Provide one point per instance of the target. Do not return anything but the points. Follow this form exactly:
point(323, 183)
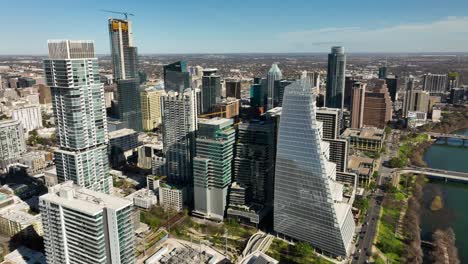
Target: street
point(369, 227)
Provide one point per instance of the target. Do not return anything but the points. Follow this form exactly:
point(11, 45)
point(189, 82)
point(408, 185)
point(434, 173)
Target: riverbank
point(398, 237)
point(453, 119)
point(411, 150)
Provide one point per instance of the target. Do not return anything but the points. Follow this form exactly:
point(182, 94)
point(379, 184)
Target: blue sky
point(222, 26)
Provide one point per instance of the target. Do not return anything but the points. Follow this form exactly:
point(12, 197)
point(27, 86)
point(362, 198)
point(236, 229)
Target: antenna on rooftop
point(126, 14)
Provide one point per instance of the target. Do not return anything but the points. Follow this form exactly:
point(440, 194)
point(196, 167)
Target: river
point(455, 195)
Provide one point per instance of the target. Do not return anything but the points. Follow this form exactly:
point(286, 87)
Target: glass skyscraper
point(72, 72)
point(211, 90)
point(334, 97)
point(308, 201)
point(176, 77)
point(125, 60)
point(274, 74)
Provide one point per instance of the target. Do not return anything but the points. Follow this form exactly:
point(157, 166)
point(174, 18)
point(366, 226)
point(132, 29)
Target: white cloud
point(445, 35)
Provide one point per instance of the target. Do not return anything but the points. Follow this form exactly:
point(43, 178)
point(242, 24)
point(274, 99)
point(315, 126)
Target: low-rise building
point(171, 196)
point(366, 139)
point(143, 198)
point(35, 161)
point(123, 143)
point(146, 154)
point(15, 219)
point(363, 167)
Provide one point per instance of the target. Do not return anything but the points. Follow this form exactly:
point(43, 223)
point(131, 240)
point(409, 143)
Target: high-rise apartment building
point(211, 90)
point(233, 88)
point(72, 72)
point(179, 124)
point(435, 84)
point(30, 116)
point(334, 97)
point(125, 60)
point(176, 77)
point(331, 119)
point(308, 200)
point(151, 108)
point(84, 226)
point(416, 101)
point(377, 106)
point(274, 74)
point(212, 166)
point(358, 96)
point(12, 142)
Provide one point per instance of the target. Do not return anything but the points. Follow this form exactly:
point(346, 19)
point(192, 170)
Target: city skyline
point(212, 27)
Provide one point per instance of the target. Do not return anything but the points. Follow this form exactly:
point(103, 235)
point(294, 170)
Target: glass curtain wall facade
point(334, 97)
point(307, 200)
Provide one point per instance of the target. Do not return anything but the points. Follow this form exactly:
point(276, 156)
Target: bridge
point(463, 138)
point(437, 173)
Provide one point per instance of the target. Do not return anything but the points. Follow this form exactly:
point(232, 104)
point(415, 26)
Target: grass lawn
point(298, 253)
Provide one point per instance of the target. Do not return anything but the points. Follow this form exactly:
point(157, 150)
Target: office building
point(212, 166)
point(377, 106)
point(122, 144)
point(363, 167)
point(151, 108)
point(350, 83)
point(392, 86)
point(125, 60)
point(408, 94)
point(280, 85)
point(256, 95)
point(24, 82)
point(458, 95)
point(415, 100)
point(365, 139)
point(211, 90)
point(435, 84)
point(358, 96)
point(84, 226)
point(176, 77)
point(30, 117)
point(334, 97)
point(338, 153)
point(453, 79)
point(274, 74)
point(308, 201)
point(72, 72)
point(233, 88)
point(179, 123)
point(12, 142)
point(331, 119)
point(383, 72)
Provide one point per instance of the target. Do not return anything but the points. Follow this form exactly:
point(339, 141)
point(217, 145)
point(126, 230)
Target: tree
point(303, 249)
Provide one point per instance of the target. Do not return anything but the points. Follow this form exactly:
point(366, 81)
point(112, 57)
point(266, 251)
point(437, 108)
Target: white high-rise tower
point(72, 72)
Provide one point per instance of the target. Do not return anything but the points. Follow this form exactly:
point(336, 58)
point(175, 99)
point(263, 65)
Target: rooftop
point(84, 200)
point(365, 133)
point(121, 132)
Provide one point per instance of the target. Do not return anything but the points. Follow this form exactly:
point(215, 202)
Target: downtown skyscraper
point(125, 60)
point(274, 74)
point(72, 72)
point(212, 166)
point(334, 97)
point(308, 201)
point(179, 124)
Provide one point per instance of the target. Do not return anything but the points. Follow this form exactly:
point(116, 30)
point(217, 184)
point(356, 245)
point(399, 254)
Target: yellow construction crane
point(212, 114)
point(126, 14)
